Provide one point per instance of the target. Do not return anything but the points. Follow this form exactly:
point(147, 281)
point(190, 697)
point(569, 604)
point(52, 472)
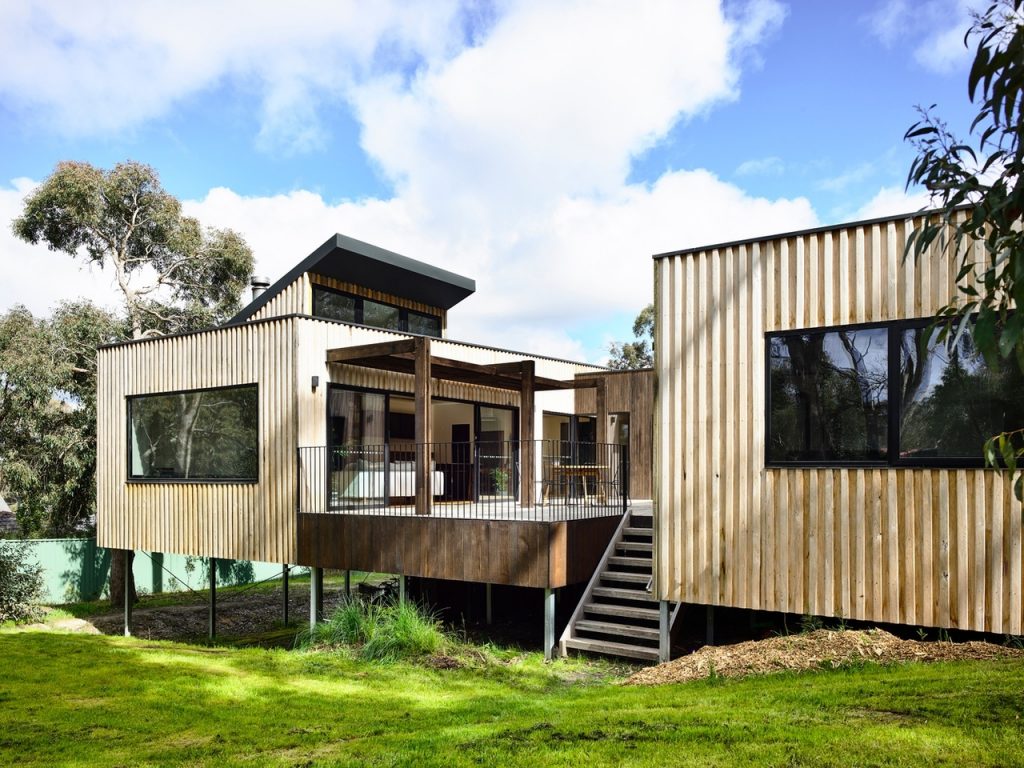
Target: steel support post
point(284, 583)
point(549, 623)
point(127, 595)
point(212, 624)
point(664, 631)
point(316, 596)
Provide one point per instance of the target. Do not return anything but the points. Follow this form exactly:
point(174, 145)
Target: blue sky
point(545, 149)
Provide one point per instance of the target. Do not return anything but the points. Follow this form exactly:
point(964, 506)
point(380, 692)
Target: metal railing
point(473, 480)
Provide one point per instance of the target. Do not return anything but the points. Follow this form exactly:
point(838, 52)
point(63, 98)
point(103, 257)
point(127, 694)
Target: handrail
point(482, 478)
point(595, 579)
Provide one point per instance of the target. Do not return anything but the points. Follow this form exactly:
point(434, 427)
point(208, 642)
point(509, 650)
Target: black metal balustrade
point(475, 480)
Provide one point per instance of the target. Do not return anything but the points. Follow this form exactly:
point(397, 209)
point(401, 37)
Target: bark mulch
point(820, 649)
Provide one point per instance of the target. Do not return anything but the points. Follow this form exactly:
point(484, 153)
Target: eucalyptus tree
point(171, 274)
point(976, 183)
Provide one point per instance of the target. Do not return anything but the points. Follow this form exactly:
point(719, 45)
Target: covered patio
point(539, 471)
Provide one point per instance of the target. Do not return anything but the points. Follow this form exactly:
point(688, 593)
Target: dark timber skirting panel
point(523, 554)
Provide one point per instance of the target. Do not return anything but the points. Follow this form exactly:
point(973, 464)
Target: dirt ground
point(821, 649)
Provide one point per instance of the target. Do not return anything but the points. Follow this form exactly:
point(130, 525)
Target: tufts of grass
point(379, 632)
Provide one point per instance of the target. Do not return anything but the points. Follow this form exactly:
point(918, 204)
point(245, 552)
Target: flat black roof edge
point(808, 231)
point(344, 242)
point(400, 334)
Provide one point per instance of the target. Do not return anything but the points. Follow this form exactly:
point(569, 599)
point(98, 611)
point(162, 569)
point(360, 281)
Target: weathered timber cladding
point(281, 355)
point(935, 547)
point(525, 554)
point(295, 299)
point(253, 521)
point(632, 392)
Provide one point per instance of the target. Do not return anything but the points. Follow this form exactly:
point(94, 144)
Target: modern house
point(817, 450)
point(332, 424)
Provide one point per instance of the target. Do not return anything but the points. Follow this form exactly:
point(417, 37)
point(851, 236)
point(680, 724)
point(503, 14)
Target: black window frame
point(895, 330)
point(130, 478)
point(403, 312)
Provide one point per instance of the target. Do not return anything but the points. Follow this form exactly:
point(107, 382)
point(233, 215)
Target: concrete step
point(625, 576)
point(617, 630)
point(613, 649)
point(624, 611)
point(624, 594)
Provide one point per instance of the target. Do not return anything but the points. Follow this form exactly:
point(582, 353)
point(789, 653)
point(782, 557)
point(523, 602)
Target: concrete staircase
point(617, 615)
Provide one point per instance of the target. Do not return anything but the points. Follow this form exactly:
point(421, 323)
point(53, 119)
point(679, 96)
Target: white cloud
point(761, 166)
point(118, 65)
point(892, 201)
point(933, 29)
point(585, 260)
point(37, 277)
point(509, 154)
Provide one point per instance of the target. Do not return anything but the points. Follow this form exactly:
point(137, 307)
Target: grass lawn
point(93, 700)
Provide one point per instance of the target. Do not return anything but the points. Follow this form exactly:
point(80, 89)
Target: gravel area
point(821, 649)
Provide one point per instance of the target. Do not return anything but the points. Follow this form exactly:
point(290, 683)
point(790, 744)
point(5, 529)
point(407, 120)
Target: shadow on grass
point(109, 701)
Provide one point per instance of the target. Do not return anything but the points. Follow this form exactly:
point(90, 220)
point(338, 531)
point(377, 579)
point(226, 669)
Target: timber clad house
point(803, 444)
point(818, 452)
point(331, 424)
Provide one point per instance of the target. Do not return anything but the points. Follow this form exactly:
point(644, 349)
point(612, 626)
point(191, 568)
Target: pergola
point(414, 356)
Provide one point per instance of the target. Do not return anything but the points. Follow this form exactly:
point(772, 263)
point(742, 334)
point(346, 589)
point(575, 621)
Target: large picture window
point(829, 396)
point(208, 434)
point(348, 308)
point(886, 394)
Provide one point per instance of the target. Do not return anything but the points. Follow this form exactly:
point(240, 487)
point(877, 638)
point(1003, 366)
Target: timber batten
point(935, 547)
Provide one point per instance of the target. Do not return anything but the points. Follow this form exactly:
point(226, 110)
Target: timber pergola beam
point(400, 357)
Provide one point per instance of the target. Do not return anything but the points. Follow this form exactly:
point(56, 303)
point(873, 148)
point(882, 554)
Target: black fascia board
point(353, 261)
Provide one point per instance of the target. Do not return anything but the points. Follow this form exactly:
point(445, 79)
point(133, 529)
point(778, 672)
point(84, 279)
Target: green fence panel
point(76, 569)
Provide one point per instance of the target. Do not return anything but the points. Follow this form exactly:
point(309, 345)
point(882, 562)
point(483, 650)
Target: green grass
point(97, 701)
point(379, 632)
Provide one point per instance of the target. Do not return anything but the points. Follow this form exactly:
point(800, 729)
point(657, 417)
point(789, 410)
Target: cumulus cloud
point(36, 277)
point(933, 29)
point(761, 166)
point(892, 201)
point(116, 66)
point(506, 130)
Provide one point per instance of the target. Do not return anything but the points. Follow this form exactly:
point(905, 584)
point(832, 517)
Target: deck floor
point(510, 512)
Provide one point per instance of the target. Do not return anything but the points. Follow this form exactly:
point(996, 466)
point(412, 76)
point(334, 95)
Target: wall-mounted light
point(316, 382)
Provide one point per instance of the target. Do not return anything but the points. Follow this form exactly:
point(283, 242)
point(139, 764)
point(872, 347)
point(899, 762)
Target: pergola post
point(527, 449)
point(602, 411)
point(424, 428)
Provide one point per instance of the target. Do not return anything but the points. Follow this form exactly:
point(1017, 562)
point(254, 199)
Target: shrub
point(379, 632)
point(21, 584)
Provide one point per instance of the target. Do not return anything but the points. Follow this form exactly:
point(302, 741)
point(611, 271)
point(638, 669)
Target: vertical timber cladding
point(935, 547)
point(632, 392)
point(294, 299)
point(252, 521)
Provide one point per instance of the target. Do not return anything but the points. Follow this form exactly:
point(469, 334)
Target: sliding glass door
point(356, 433)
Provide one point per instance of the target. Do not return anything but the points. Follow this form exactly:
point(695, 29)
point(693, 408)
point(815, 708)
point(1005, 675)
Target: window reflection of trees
point(209, 434)
point(952, 400)
point(829, 396)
